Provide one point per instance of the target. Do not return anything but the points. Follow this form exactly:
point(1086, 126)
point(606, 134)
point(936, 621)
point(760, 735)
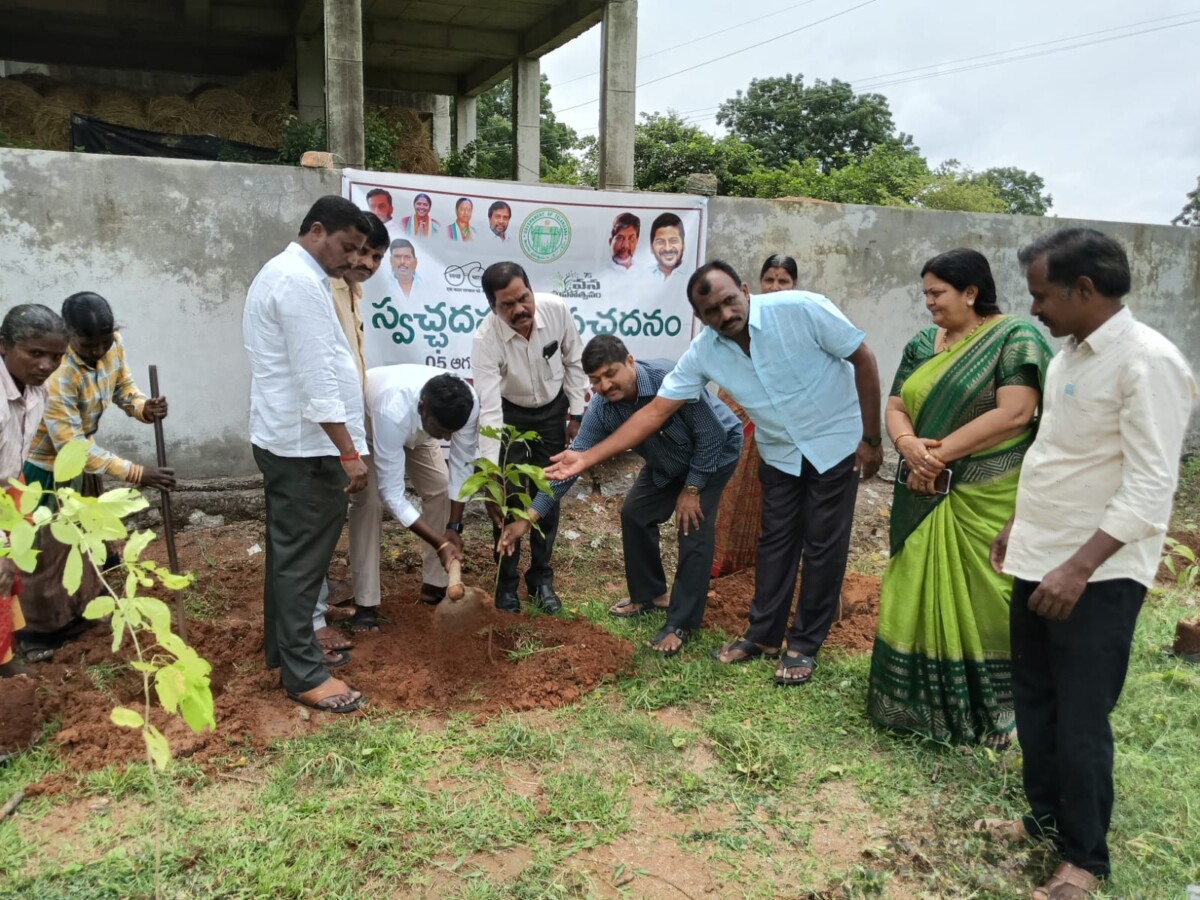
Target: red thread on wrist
point(353, 456)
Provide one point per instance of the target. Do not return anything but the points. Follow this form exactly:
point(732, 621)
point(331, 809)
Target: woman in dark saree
point(965, 399)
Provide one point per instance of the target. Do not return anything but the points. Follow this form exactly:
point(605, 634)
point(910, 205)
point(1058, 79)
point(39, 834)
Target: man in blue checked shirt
point(689, 458)
point(810, 384)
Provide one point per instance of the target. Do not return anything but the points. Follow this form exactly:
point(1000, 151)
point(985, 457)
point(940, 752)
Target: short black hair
point(626, 220)
point(499, 204)
point(377, 237)
point(1074, 253)
point(335, 214)
point(448, 399)
point(698, 285)
point(428, 199)
point(461, 200)
point(87, 314)
point(779, 261)
point(30, 321)
point(962, 268)
point(603, 350)
point(379, 192)
point(498, 276)
point(400, 244)
point(666, 220)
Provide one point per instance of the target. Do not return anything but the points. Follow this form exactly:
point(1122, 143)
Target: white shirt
point(619, 269)
point(302, 370)
point(393, 393)
point(20, 416)
point(504, 364)
point(1106, 456)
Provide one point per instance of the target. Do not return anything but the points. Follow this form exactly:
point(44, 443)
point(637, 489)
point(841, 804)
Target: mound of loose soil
point(729, 605)
point(20, 718)
point(481, 663)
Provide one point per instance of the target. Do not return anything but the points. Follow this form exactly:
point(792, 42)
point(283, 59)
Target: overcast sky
point(1113, 128)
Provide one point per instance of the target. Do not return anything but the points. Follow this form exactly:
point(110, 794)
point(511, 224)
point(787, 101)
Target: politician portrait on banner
point(619, 261)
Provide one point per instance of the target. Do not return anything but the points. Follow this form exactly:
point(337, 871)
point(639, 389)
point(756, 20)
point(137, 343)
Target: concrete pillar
point(441, 126)
point(344, 81)
point(527, 120)
point(310, 78)
point(618, 96)
point(465, 121)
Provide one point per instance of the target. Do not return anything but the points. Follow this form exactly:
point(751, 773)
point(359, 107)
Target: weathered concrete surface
point(173, 245)
point(867, 260)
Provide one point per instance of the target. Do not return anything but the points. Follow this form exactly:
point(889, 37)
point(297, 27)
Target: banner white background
point(562, 237)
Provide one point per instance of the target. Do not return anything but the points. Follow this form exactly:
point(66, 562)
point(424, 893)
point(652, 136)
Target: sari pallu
point(941, 662)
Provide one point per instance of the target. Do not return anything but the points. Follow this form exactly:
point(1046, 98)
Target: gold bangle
point(896, 441)
point(442, 546)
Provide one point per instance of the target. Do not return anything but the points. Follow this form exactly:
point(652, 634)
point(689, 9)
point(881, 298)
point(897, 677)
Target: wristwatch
point(873, 441)
point(693, 490)
point(454, 526)
point(575, 418)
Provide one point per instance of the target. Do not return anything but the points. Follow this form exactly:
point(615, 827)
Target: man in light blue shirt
point(810, 384)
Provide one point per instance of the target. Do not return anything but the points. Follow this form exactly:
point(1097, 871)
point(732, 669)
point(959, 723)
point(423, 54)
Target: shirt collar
point(1108, 333)
point(510, 333)
point(307, 259)
point(753, 320)
point(11, 391)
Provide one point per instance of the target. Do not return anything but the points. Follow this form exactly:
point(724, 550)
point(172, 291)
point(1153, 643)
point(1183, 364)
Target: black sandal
point(631, 610)
point(749, 649)
point(796, 662)
point(662, 635)
point(364, 620)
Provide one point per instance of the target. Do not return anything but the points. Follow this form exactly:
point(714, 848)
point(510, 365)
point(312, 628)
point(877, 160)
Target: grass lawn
point(681, 779)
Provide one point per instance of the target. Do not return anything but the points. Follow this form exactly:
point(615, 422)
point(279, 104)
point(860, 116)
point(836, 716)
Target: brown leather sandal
point(1069, 882)
point(323, 696)
point(332, 640)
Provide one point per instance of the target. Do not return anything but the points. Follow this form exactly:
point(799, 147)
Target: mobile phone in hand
point(941, 484)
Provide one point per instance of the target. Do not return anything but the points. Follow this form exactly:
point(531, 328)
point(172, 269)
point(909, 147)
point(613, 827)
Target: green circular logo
point(545, 235)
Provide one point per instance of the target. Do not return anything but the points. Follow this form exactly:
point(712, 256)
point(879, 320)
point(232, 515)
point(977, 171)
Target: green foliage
point(490, 155)
point(786, 121)
point(1022, 192)
point(667, 150)
point(1181, 562)
point(379, 141)
point(1190, 214)
point(178, 674)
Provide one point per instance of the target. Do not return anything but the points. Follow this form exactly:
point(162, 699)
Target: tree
point(1021, 191)
point(1190, 214)
point(490, 154)
point(666, 150)
point(784, 120)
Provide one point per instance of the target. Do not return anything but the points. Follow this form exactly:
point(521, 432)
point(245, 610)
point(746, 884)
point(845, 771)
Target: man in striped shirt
point(688, 461)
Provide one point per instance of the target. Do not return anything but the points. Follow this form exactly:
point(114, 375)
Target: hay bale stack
point(76, 98)
point(413, 152)
point(52, 125)
point(120, 108)
point(221, 105)
point(17, 98)
point(172, 114)
point(40, 83)
point(266, 90)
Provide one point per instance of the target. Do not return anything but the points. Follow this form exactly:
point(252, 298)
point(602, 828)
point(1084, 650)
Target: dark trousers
point(804, 517)
point(550, 422)
point(648, 506)
point(1067, 677)
point(306, 509)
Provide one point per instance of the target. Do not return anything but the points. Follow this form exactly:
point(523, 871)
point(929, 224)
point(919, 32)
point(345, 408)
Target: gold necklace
point(946, 346)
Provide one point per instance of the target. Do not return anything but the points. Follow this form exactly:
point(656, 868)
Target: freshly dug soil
point(729, 605)
point(20, 719)
point(476, 660)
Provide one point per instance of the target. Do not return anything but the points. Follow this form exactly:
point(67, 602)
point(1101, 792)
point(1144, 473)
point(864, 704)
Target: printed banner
point(620, 261)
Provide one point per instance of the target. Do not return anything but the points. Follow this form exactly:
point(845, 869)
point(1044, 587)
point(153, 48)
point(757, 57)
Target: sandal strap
point(798, 662)
point(668, 630)
point(1071, 874)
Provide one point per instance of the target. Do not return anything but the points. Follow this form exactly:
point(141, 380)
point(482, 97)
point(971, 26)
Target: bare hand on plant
point(512, 533)
point(494, 513)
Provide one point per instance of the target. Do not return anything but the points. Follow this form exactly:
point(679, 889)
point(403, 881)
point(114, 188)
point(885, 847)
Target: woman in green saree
point(965, 399)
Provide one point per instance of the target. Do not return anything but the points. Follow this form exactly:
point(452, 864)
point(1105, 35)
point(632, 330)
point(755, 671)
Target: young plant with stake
point(491, 481)
point(178, 675)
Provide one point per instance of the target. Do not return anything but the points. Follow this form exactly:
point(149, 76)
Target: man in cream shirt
point(1084, 544)
point(526, 362)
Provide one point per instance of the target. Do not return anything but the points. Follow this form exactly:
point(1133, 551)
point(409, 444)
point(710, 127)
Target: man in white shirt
point(1084, 543)
point(666, 246)
point(403, 257)
point(412, 409)
point(526, 361)
point(306, 428)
